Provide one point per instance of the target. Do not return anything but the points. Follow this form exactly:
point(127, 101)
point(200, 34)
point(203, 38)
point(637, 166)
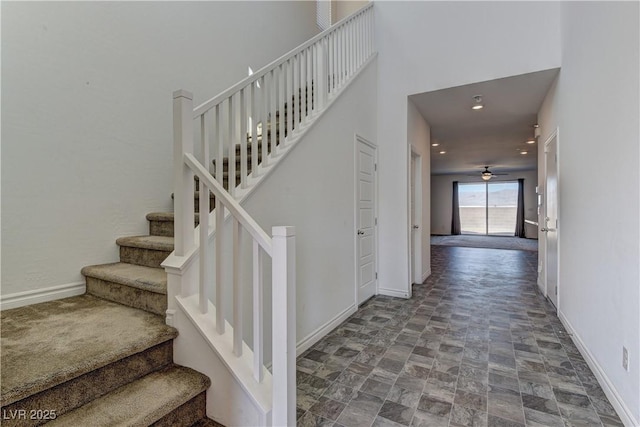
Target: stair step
point(161, 223)
point(62, 354)
point(148, 251)
point(173, 396)
point(132, 285)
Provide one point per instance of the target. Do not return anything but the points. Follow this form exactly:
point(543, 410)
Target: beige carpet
point(492, 242)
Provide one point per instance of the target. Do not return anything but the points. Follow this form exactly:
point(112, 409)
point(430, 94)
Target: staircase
point(109, 357)
point(104, 358)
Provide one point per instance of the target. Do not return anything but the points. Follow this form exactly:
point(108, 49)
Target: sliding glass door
point(488, 208)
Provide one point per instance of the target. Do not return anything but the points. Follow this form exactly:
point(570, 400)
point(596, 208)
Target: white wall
point(419, 137)
point(86, 108)
point(320, 203)
point(344, 8)
point(427, 46)
point(595, 105)
point(442, 194)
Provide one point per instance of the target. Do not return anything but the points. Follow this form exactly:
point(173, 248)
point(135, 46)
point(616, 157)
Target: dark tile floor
point(476, 345)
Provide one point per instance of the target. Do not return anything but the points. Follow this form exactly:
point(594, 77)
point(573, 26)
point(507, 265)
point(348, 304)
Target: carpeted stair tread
point(139, 403)
point(136, 276)
point(46, 344)
point(157, 243)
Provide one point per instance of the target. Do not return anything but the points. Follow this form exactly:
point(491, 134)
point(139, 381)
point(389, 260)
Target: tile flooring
point(476, 345)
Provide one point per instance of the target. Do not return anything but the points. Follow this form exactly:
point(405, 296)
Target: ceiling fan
point(486, 174)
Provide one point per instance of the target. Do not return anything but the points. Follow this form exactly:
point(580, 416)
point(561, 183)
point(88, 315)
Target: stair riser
point(127, 295)
point(142, 256)
point(166, 227)
point(85, 388)
point(186, 414)
point(161, 228)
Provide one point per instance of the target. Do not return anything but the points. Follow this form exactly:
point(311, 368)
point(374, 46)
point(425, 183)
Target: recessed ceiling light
point(523, 152)
point(478, 103)
point(531, 141)
point(435, 144)
point(443, 152)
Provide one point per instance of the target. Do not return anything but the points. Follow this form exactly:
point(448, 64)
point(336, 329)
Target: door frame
point(415, 252)
point(359, 139)
point(555, 134)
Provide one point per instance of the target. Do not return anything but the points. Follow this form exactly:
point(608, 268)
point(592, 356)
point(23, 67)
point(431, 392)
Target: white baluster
point(321, 73)
point(219, 147)
point(309, 99)
point(258, 314)
point(284, 326)
point(255, 119)
point(183, 176)
point(330, 41)
point(340, 32)
point(233, 117)
point(281, 100)
point(220, 326)
point(289, 100)
point(237, 291)
point(303, 86)
point(315, 78)
point(295, 99)
point(242, 136)
point(266, 95)
point(274, 108)
point(203, 301)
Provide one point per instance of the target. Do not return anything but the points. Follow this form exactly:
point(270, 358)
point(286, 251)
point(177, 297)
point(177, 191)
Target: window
point(488, 208)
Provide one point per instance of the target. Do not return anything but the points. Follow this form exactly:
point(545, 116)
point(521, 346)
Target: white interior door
point(366, 220)
point(550, 223)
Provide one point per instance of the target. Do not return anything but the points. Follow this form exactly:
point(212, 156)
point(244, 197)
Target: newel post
point(182, 175)
point(284, 326)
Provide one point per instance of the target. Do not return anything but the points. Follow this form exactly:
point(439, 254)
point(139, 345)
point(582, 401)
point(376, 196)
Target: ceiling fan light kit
point(486, 174)
point(478, 103)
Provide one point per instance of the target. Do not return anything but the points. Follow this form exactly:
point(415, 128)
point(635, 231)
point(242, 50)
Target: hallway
point(475, 346)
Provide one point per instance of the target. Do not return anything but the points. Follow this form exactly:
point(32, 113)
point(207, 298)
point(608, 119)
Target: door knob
point(360, 232)
point(416, 226)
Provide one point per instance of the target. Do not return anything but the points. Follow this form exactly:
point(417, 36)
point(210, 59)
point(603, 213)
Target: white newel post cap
point(283, 231)
point(182, 94)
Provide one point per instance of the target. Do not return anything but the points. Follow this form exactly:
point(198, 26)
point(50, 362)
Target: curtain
point(455, 209)
point(520, 212)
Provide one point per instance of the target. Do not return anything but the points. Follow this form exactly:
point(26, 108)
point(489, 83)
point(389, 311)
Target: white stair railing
point(264, 115)
point(280, 247)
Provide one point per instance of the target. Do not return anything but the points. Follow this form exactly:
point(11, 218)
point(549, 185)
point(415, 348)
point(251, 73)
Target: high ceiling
point(493, 136)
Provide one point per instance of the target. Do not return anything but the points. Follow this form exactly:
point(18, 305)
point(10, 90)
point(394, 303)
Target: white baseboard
point(426, 274)
point(393, 293)
point(20, 299)
point(609, 389)
point(323, 330)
